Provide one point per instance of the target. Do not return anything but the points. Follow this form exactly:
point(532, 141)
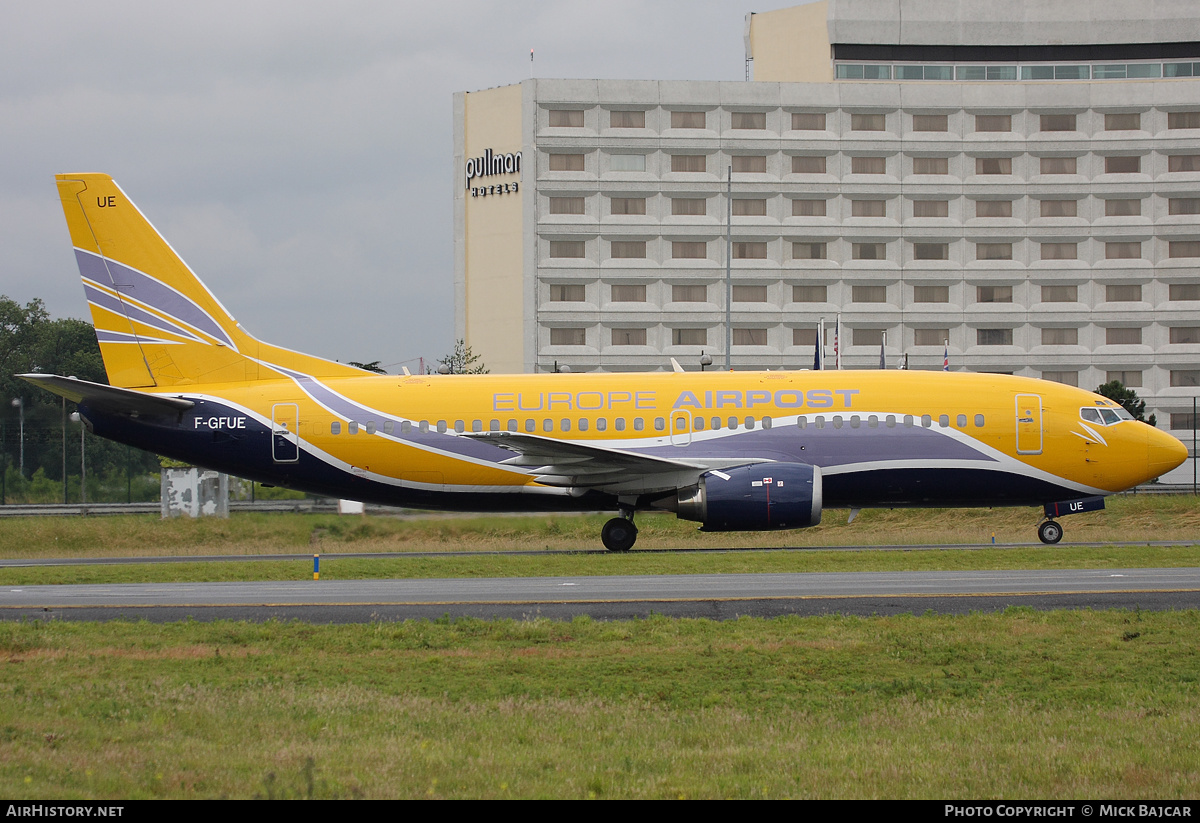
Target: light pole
point(19, 404)
point(75, 418)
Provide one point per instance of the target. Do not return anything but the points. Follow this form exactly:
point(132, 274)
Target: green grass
point(1022, 704)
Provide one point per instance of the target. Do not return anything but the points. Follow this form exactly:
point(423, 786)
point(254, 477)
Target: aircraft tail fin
point(157, 323)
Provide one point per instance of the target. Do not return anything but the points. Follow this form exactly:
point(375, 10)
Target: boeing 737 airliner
point(732, 450)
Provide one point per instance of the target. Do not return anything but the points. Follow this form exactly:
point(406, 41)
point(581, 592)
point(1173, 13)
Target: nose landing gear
point(1050, 531)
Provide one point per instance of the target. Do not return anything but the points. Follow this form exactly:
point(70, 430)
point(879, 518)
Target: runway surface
point(720, 596)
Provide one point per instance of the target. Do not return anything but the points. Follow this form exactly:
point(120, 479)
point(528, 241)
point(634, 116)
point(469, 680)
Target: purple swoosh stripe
point(107, 301)
point(146, 289)
point(828, 446)
point(122, 337)
point(464, 446)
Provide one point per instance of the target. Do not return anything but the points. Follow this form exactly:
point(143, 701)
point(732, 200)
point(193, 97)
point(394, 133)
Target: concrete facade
point(1049, 229)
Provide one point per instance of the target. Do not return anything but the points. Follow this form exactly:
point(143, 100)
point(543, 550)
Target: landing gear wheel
point(1050, 532)
point(618, 534)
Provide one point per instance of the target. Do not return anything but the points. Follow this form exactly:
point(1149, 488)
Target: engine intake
point(754, 498)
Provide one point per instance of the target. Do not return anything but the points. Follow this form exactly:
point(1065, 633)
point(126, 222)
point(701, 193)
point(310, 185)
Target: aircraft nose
point(1163, 452)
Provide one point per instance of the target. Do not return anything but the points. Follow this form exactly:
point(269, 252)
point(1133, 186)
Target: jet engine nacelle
point(754, 498)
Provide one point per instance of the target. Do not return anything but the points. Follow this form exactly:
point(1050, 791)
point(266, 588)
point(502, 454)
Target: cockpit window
point(1104, 416)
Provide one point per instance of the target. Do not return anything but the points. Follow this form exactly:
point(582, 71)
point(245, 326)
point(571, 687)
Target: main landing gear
point(1050, 531)
point(619, 534)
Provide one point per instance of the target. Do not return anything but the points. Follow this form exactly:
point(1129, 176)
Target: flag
point(882, 353)
point(817, 364)
point(837, 344)
point(946, 358)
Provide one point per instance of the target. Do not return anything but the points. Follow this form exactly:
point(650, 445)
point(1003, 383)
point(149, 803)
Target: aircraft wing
point(563, 463)
point(108, 398)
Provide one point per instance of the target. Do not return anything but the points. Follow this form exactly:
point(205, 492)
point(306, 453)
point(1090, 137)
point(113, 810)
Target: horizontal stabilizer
point(108, 398)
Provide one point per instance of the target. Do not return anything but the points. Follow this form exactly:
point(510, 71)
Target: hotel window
point(993, 337)
point(931, 165)
point(1183, 120)
point(869, 251)
point(808, 164)
point(1184, 291)
point(809, 251)
point(689, 162)
point(868, 165)
point(749, 208)
point(1059, 251)
point(930, 122)
point(1183, 248)
point(1185, 334)
point(1182, 420)
point(689, 294)
point(866, 337)
point(931, 251)
point(1060, 337)
point(867, 122)
point(566, 248)
point(1122, 208)
point(1059, 208)
point(808, 121)
point(993, 165)
point(627, 162)
point(1183, 162)
point(1122, 251)
point(931, 294)
point(1126, 293)
point(1184, 205)
point(1067, 378)
point(1057, 165)
point(749, 164)
point(1185, 378)
point(931, 208)
point(993, 122)
point(930, 337)
point(993, 208)
point(627, 205)
point(810, 294)
point(627, 120)
point(1058, 122)
point(567, 337)
point(689, 337)
point(749, 294)
point(688, 206)
point(1060, 294)
point(566, 162)
point(993, 294)
point(868, 294)
point(566, 118)
point(627, 249)
point(566, 205)
point(749, 251)
point(1132, 379)
point(808, 208)
point(689, 250)
point(629, 337)
point(629, 293)
point(749, 337)
point(566, 293)
point(748, 120)
point(867, 208)
point(1123, 337)
point(1122, 122)
point(687, 120)
point(993, 251)
point(1122, 165)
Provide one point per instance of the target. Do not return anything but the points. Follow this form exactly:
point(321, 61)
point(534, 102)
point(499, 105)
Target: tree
point(1128, 398)
point(461, 361)
point(373, 366)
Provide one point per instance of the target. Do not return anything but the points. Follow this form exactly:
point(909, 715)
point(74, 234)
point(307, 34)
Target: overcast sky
point(297, 154)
